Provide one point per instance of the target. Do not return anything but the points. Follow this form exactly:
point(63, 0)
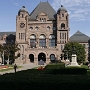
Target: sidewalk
point(24, 67)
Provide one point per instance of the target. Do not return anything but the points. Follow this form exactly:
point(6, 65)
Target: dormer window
point(31, 28)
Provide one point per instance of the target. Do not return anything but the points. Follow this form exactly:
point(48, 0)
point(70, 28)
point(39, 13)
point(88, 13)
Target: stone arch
point(42, 57)
point(31, 57)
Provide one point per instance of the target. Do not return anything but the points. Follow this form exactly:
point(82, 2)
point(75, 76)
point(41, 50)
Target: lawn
point(7, 67)
point(36, 79)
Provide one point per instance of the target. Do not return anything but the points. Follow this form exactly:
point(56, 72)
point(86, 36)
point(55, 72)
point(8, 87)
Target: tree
point(79, 50)
point(9, 51)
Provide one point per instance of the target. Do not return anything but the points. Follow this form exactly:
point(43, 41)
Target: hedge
point(55, 66)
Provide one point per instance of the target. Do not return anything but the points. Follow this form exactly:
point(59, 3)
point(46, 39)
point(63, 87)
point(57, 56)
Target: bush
point(70, 71)
point(55, 66)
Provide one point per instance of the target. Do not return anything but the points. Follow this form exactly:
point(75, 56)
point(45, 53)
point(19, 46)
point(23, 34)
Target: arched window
point(62, 26)
point(48, 28)
point(62, 15)
point(52, 41)
point(36, 28)
point(33, 41)
point(52, 58)
point(31, 28)
point(42, 41)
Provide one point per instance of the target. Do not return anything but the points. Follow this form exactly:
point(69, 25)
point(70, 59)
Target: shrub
point(70, 71)
point(55, 66)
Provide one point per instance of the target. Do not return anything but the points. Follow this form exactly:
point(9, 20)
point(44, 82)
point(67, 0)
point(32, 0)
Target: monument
point(74, 58)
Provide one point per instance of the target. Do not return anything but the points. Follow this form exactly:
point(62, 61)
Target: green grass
point(11, 67)
point(37, 79)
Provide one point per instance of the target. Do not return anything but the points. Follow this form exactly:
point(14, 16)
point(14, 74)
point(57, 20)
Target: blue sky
point(79, 13)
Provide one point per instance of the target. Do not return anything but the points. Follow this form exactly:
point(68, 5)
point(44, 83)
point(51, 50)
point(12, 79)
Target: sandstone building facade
point(42, 34)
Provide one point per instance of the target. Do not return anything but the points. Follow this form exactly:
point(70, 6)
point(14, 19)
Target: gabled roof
point(43, 7)
point(79, 37)
point(7, 33)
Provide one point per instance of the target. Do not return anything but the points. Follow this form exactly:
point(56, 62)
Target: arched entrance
point(42, 57)
point(31, 57)
point(52, 58)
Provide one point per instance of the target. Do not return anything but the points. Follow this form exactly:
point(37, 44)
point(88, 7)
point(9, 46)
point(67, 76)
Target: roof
point(43, 7)
point(79, 37)
point(62, 8)
point(23, 9)
point(7, 33)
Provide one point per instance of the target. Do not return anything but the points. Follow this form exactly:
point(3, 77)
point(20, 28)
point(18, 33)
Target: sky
point(79, 13)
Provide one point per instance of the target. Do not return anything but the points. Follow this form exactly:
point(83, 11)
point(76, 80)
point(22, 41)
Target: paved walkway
point(24, 67)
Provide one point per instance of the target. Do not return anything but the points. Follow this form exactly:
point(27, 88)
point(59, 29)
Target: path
point(24, 67)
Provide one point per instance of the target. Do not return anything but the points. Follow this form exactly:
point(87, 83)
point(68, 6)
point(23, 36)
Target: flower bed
point(4, 67)
point(41, 68)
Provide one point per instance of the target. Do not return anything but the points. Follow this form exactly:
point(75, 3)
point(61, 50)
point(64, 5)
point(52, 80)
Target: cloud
point(15, 3)
point(78, 9)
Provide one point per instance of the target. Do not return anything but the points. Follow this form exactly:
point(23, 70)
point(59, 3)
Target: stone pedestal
point(74, 60)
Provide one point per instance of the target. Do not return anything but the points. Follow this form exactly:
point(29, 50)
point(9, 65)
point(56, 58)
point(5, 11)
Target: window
point(62, 15)
point(44, 19)
point(22, 48)
point(54, 28)
point(19, 35)
point(23, 35)
point(52, 58)
point(42, 41)
point(33, 41)
point(52, 41)
point(31, 28)
point(48, 28)
point(36, 28)
point(22, 15)
point(62, 26)
point(65, 35)
point(61, 48)
point(62, 35)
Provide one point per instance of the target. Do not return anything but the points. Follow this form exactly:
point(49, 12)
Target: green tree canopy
point(9, 51)
point(78, 49)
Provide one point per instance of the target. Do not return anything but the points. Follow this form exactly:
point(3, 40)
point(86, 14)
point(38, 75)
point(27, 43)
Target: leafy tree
point(9, 51)
point(79, 51)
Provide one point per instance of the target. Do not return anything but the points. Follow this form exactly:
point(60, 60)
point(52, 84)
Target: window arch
point(62, 26)
point(52, 41)
point(33, 41)
point(42, 40)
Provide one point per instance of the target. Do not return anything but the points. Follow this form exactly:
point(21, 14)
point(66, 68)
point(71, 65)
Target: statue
point(73, 50)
